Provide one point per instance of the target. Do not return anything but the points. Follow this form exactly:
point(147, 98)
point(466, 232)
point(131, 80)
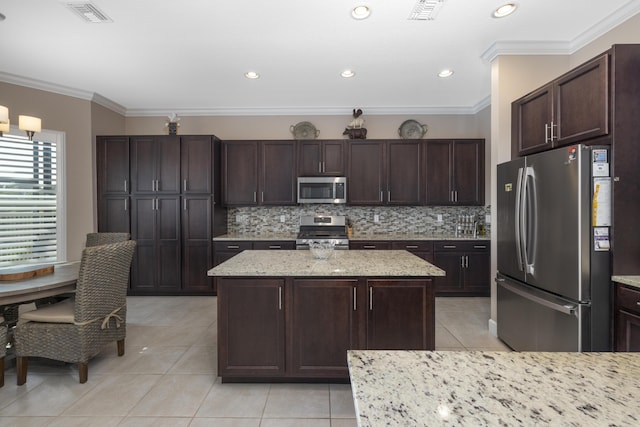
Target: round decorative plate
point(304, 130)
point(411, 129)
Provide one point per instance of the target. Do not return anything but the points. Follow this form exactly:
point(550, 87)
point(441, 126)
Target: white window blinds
point(28, 201)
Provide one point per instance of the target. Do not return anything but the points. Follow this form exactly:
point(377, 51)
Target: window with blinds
point(28, 201)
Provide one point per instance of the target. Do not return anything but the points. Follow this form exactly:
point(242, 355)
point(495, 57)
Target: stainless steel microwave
point(322, 189)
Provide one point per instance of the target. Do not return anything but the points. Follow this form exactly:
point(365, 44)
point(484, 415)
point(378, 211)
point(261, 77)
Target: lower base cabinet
point(301, 328)
point(627, 318)
point(467, 266)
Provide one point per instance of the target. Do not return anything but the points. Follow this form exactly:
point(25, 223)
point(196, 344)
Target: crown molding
point(46, 86)
point(560, 47)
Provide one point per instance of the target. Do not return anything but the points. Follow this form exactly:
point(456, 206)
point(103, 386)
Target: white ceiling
point(190, 56)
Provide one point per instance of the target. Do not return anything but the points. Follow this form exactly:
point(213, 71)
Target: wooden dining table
point(61, 281)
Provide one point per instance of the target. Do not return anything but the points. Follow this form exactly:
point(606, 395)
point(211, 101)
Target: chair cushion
point(60, 312)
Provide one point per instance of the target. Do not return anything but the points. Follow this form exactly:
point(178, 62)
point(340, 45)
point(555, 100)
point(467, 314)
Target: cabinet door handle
point(369, 247)
point(456, 193)
point(466, 261)
point(185, 204)
point(480, 246)
point(233, 247)
point(411, 247)
point(381, 196)
point(280, 298)
point(262, 196)
point(551, 132)
point(125, 185)
point(254, 197)
point(462, 261)
point(370, 299)
point(319, 167)
point(546, 133)
point(184, 185)
point(275, 247)
point(126, 199)
point(324, 167)
point(355, 295)
point(449, 246)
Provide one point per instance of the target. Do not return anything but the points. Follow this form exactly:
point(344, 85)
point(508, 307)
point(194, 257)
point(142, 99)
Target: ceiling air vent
point(89, 12)
point(426, 10)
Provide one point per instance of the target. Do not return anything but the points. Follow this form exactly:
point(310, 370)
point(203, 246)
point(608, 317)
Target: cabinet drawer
point(628, 299)
point(274, 244)
point(374, 244)
point(232, 245)
point(413, 245)
point(461, 246)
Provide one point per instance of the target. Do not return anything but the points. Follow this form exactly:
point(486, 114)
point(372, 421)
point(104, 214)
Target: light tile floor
point(168, 376)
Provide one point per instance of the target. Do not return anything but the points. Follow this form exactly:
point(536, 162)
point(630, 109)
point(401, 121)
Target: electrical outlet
point(487, 218)
point(238, 219)
point(439, 218)
point(282, 218)
point(376, 218)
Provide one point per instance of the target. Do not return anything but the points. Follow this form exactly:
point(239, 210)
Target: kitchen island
point(283, 315)
point(425, 388)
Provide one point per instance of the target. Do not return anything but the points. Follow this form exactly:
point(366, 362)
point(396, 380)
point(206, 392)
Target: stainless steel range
point(323, 228)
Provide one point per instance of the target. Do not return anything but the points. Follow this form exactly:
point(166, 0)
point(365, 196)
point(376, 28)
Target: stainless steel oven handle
point(569, 309)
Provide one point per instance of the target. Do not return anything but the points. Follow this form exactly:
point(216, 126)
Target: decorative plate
point(411, 129)
point(304, 130)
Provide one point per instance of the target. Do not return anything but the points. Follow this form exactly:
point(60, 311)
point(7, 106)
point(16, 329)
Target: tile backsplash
point(392, 219)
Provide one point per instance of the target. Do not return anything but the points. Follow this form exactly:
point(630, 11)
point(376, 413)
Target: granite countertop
point(351, 263)
point(357, 236)
point(627, 280)
point(420, 388)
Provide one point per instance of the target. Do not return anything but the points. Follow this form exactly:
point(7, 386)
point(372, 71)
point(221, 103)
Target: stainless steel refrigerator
point(553, 228)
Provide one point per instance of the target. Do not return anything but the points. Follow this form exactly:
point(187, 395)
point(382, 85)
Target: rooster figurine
point(355, 129)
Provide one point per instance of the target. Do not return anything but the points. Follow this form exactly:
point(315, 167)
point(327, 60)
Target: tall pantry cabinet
point(164, 190)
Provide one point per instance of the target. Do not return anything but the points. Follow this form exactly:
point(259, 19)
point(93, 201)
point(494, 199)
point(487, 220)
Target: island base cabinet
point(325, 323)
point(627, 318)
point(251, 327)
point(400, 315)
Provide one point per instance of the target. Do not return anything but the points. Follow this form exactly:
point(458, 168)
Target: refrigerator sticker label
point(572, 154)
point(600, 162)
point(601, 203)
point(508, 187)
point(601, 239)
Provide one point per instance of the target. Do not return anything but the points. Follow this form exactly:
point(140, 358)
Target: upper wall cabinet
point(321, 158)
point(455, 172)
point(196, 157)
point(112, 165)
point(259, 173)
point(155, 164)
point(570, 109)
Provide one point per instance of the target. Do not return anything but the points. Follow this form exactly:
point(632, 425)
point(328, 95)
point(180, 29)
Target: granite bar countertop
point(430, 388)
point(627, 280)
point(358, 236)
point(342, 263)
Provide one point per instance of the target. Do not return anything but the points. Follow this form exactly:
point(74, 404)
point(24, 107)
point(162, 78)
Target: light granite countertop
point(355, 237)
point(424, 388)
point(351, 263)
point(627, 280)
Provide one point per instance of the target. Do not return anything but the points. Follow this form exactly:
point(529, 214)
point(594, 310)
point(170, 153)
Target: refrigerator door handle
point(569, 309)
point(530, 220)
point(518, 218)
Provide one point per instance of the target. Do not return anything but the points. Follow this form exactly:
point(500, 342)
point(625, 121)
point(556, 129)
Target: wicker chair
point(75, 330)
point(3, 348)
point(97, 239)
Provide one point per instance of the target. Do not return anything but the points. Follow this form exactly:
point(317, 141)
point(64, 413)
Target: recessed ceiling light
point(251, 75)
point(361, 12)
point(445, 73)
point(505, 10)
point(348, 73)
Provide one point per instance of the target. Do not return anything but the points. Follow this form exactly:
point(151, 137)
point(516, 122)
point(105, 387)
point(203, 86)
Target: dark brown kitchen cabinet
point(627, 318)
point(259, 173)
point(196, 156)
point(114, 214)
point(399, 315)
point(365, 172)
point(326, 317)
point(384, 173)
point(155, 164)
point(156, 229)
point(455, 172)
point(421, 248)
point(321, 158)
point(251, 314)
point(112, 165)
point(227, 249)
point(570, 109)
point(265, 245)
point(369, 244)
point(467, 267)
point(404, 173)
point(197, 248)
